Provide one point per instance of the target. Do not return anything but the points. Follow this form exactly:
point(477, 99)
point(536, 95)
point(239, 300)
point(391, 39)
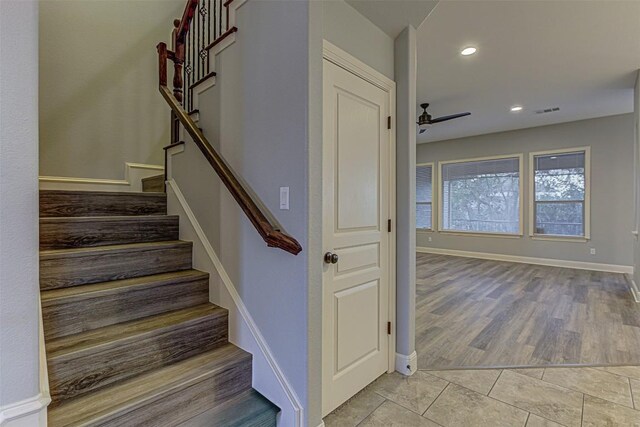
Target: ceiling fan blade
point(422, 131)
point(451, 117)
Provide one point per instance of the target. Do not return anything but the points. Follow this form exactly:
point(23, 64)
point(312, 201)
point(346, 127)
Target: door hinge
point(389, 226)
point(389, 122)
point(388, 328)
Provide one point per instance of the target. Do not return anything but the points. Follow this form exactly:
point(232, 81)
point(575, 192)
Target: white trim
point(134, 173)
point(559, 238)
point(42, 353)
point(520, 233)
point(481, 234)
point(198, 90)
point(259, 343)
point(407, 365)
point(31, 412)
point(28, 412)
point(392, 216)
point(580, 265)
point(213, 52)
point(321, 424)
point(433, 196)
point(633, 288)
point(587, 194)
point(343, 59)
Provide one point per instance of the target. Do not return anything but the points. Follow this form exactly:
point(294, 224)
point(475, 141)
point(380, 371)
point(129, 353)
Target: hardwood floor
point(479, 313)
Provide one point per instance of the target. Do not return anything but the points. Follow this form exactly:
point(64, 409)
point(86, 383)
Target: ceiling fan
point(425, 121)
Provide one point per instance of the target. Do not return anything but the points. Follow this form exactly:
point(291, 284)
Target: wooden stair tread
point(114, 335)
point(100, 193)
point(98, 407)
point(95, 290)
point(82, 231)
point(56, 203)
point(248, 409)
point(78, 252)
point(130, 335)
point(103, 218)
point(63, 268)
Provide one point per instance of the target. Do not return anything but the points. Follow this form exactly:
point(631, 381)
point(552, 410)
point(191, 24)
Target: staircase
point(131, 337)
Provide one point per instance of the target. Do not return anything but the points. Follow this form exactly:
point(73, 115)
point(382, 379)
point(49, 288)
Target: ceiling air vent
point(548, 110)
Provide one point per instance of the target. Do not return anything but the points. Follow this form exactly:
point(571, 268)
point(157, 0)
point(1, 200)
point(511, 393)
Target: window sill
point(480, 234)
point(555, 238)
point(425, 230)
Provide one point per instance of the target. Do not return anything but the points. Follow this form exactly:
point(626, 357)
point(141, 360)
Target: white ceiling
point(577, 55)
point(393, 16)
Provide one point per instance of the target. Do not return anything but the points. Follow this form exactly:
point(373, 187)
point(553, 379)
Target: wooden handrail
point(182, 27)
point(270, 234)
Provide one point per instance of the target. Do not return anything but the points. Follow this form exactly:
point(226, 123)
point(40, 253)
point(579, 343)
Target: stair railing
point(182, 42)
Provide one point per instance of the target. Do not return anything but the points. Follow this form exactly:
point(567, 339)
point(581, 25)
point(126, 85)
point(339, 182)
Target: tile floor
point(498, 397)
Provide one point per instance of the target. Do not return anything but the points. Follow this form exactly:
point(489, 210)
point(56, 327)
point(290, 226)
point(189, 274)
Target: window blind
point(481, 196)
point(559, 194)
point(424, 194)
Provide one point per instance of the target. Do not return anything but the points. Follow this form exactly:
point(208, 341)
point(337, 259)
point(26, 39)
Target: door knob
point(330, 258)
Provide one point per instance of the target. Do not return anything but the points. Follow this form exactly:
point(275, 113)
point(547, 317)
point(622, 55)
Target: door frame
point(342, 59)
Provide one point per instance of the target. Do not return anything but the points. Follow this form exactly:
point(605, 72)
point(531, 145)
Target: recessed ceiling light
point(468, 51)
point(516, 108)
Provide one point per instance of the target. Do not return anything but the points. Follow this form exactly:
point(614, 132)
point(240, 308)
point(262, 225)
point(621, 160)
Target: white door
point(356, 208)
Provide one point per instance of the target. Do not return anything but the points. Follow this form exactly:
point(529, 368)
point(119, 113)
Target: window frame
point(587, 195)
point(520, 233)
point(434, 186)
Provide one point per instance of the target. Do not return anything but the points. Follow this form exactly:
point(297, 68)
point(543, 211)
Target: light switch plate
point(284, 198)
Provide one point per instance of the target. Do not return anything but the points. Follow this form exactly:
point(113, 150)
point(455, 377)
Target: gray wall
point(18, 201)
point(257, 115)
point(315, 249)
point(636, 128)
point(612, 191)
point(346, 28)
point(405, 71)
point(99, 100)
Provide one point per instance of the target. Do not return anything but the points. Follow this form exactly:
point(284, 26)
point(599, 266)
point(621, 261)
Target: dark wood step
point(100, 203)
point(249, 409)
point(88, 361)
point(61, 268)
point(78, 232)
point(164, 397)
point(153, 184)
point(78, 309)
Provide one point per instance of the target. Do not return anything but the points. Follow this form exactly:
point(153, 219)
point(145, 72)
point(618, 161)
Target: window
point(424, 196)
point(560, 193)
point(481, 196)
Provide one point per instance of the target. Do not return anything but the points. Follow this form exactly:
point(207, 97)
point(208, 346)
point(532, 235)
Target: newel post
point(162, 63)
point(178, 52)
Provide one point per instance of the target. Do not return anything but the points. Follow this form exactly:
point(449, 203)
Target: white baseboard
point(268, 377)
point(611, 268)
point(407, 365)
point(633, 288)
point(134, 173)
point(31, 412)
point(45, 393)
point(26, 413)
